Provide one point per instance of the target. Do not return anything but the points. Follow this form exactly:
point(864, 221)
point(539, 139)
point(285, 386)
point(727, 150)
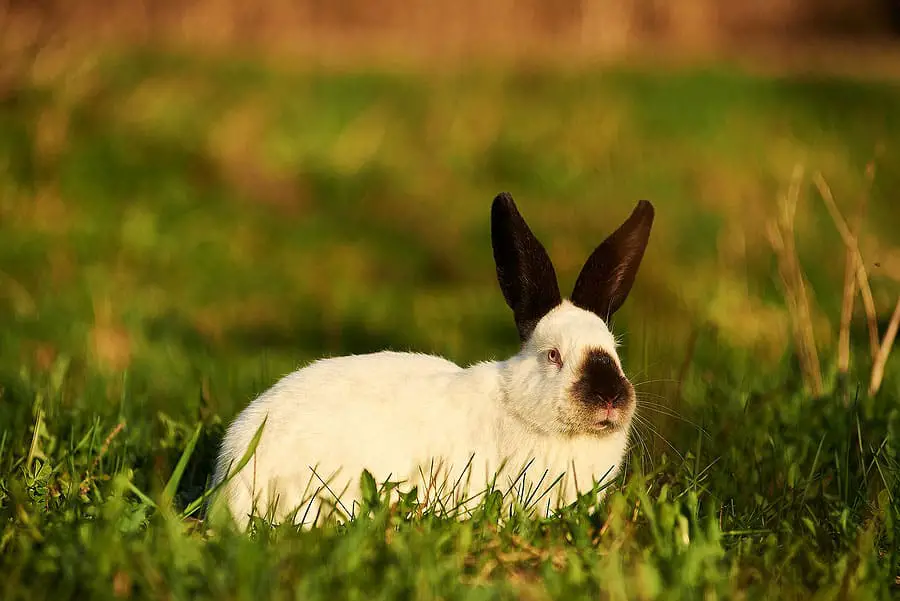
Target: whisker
point(645, 382)
point(663, 411)
point(649, 399)
point(636, 374)
point(645, 451)
point(641, 394)
point(658, 407)
point(643, 441)
point(661, 407)
point(652, 429)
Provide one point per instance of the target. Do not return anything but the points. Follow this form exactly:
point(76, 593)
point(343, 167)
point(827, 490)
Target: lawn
point(176, 234)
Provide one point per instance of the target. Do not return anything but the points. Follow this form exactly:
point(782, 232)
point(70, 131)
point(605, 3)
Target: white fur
point(399, 414)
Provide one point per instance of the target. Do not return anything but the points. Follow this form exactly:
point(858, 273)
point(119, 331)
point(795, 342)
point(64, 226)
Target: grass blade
point(137, 491)
point(245, 459)
point(172, 485)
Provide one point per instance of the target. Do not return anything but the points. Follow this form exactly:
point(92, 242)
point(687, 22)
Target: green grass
point(177, 234)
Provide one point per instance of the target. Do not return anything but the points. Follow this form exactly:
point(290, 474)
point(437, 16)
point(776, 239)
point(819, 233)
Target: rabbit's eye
point(554, 357)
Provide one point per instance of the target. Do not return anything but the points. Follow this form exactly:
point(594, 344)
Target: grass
point(175, 234)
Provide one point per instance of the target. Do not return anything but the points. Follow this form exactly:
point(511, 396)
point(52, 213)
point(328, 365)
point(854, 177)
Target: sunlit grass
point(177, 234)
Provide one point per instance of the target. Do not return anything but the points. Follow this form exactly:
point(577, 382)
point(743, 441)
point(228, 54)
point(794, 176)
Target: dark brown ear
point(524, 270)
point(608, 274)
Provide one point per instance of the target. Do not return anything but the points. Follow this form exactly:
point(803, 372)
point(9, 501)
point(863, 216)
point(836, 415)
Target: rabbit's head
point(567, 378)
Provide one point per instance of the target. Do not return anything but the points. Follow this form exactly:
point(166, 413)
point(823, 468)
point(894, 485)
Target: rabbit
point(550, 422)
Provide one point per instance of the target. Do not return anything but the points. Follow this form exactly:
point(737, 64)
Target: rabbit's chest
point(559, 470)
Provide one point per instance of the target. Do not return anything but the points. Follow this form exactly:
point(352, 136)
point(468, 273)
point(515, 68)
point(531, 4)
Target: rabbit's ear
point(608, 274)
point(524, 270)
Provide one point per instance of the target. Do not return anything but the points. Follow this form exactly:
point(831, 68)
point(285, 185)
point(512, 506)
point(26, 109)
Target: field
point(176, 234)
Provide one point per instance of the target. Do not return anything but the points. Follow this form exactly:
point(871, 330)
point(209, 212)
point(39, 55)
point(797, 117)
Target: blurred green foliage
point(176, 234)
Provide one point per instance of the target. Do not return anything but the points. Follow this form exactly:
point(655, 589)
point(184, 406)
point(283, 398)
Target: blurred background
point(198, 196)
point(348, 30)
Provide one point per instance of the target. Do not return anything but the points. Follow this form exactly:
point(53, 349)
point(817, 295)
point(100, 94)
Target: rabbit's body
point(561, 407)
point(423, 421)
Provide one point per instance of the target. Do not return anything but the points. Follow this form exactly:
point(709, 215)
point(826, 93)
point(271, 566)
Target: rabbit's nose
point(613, 402)
point(610, 410)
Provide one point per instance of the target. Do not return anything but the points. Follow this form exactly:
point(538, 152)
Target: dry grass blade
point(850, 285)
point(781, 237)
point(104, 448)
point(850, 241)
point(884, 351)
point(846, 312)
point(777, 241)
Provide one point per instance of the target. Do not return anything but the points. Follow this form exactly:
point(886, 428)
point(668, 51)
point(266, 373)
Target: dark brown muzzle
point(601, 383)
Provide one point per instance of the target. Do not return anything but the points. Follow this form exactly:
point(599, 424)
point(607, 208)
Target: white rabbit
point(561, 407)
